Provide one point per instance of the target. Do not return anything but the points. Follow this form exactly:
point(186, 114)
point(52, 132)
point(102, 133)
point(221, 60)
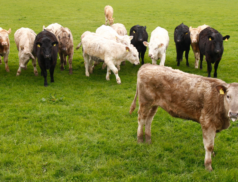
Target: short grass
point(79, 128)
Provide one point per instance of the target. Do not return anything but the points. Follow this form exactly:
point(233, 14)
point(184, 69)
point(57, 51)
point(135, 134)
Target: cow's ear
point(221, 89)
point(69, 35)
point(190, 28)
point(145, 27)
point(146, 44)
point(9, 31)
point(38, 44)
point(161, 45)
point(226, 37)
point(58, 37)
point(210, 38)
point(127, 49)
point(131, 37)
point(54, 43)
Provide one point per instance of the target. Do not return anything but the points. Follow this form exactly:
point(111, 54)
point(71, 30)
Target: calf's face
point(193, 34)
point(4, 39)
point(216, 41)
point(154, 49)
point(180, 33)
point(132, 55)
point(24, 57)
point(46, 46)
point(64, 40)
point(230, 93)
point(138, 33)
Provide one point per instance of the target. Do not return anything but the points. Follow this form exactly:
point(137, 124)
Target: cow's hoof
point(36, 73)
point(140, 139)
point(208, 167)
point(148, 139)
point(7, 70)
point(118, 80)
point(70, 71)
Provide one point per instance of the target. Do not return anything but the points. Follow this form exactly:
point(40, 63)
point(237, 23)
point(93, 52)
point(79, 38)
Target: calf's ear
point(146, 44)
point(127, 49)
point(210, 38)
point(131, 37)
point(226, 37)
point(221, 89)
point(9, 31)
point(161, 45)
point(54, 43)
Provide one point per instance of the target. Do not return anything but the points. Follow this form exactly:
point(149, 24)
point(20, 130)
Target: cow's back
point(181, 94)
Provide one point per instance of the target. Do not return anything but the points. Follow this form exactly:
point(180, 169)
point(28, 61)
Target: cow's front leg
point(19, 71)
point(70, 63)
point(208, 141)
point(34, 66)
point(162, 59)
point(61, 61)
point(108, 73)
point(112, 67)
point(197, 57)
point(148, 122)
point(6, 62)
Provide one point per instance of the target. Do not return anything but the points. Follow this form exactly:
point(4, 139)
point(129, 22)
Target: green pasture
point(79, 128)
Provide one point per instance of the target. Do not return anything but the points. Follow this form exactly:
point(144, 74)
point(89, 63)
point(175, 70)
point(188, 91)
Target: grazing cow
point(66, 47)
point(4, 46)
point(208, 101)
point(24, 39)
point(139, 35)
point(108, 12)
point(111, 52)
point(119, 28)
point(194, 34)
point(52, 27)
point(182, 42)
point(211, 45)
point(158, 45)
point(46, 49)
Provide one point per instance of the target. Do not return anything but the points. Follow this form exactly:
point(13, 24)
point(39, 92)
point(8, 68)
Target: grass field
point(79, 128)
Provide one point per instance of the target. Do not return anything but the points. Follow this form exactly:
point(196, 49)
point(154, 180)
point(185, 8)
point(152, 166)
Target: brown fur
point(66, 47)
point(5, 49)
point(185, 96)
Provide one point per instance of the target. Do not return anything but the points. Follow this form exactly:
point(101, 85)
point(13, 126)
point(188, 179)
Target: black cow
point(211, 45)
point(139, 35)
point(182, 41)
point(46, 49)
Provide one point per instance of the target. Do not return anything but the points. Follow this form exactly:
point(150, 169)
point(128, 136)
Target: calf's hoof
point(148, 139)
point(7, 70)
point(36, 73)
point(119, 81)
point(61, 68)
point(70, 71)
point(140, 139)
point(208, 167)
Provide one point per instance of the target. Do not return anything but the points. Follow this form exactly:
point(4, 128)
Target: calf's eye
point(227, 96)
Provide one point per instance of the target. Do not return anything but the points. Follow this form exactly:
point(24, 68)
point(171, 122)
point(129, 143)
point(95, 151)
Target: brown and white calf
point(108, 12)
point(111, 52)
point(66, 47)
point(208, 101)
point(4, 46)
point(194, 35)
point(24, 39)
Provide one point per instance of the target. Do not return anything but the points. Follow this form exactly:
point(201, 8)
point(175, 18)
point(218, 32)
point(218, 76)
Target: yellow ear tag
point(54, 45)
point(38, 45)
point(186, 33)
point(134, 32)
point(221, 92)
point(127, 50)
point(210, 39)
point(226, 39)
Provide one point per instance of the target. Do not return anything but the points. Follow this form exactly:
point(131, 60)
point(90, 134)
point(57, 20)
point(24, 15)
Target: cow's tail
point(79, 45)
point(133, 104)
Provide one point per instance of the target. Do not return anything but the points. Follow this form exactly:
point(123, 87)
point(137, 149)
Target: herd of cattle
point(208, 101)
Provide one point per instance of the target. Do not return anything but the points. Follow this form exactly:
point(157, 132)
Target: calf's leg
point(61, 61)
point(112, 67)
point(34, 66)
point(208, 141)
point(148, 122)
point(52, 68)
point(162, 59)
point(70, 63)
point(6, 62)
point(215, 67)
point(186, 56)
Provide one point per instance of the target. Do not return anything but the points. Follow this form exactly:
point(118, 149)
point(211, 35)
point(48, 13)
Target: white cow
point(158, 45)
point(111, 52)
point(24, 39)
point(119, 28)
point(52, 27)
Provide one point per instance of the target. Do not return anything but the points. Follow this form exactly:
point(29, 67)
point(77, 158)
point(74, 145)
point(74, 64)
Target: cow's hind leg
point(148, 122)
point(208, 140)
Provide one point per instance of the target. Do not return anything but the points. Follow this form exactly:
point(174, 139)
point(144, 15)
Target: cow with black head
point(139, 35)
point(182, 41)
point(46, 49)
point(211, 45)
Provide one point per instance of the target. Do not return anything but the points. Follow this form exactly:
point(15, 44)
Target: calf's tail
point(79, 45)
point(133, 104)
